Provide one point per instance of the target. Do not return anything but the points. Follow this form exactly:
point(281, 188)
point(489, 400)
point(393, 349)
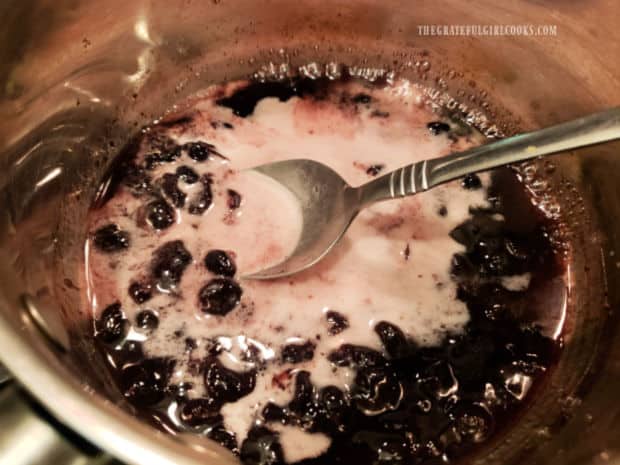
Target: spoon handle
point(418, 177)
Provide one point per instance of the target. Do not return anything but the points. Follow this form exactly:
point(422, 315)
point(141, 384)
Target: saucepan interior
point(80, 78)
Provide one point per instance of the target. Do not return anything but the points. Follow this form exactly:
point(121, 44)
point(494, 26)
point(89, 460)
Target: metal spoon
point(329, 205)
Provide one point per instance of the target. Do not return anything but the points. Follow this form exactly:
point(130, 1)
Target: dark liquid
point(409, 404)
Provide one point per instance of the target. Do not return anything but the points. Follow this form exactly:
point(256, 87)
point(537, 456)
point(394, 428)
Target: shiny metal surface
point(328, 205)
point(78, 78)
point(27, 438)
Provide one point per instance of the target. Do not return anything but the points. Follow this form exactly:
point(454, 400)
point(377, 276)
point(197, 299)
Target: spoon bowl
point(313, 184)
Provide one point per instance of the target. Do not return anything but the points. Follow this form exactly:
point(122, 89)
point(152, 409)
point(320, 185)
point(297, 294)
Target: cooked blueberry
point(473, 422)
point(110, 238)
point(167, 155)
point(198, 151)
point(303, 397)
point(147, 319)
point(169, 263)
point(333, 405)
point(234, 199)
point(170, 188)
point(471, 182)
point(136, 179)
point(201, 411)
point(224, 438)
point(349, 354)
point(140, 292)
point(374, 170)
point(224, 385)
point(111, 325)
point(362, 98)
point(442, 211)
point(159, 214)
point(130, 352)
point(377, 390)
point(273, 412)
point(144, 384)
point(394, 341)
point(437, 127)
point(203, 200)
point(221, 263)
point(261, 447)
point(438, 380)
point(297, 353)
point(187, 175)
point(337, 322)
point(219, 296)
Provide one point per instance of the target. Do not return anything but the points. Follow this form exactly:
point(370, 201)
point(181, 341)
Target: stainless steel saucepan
point(78, 77)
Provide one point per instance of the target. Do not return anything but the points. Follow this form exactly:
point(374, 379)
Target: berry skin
point(110, 238)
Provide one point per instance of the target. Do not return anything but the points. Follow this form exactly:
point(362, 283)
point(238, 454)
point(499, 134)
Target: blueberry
point(437, 127)
point(303, 397)
point(147, 319)
point(187, 175)
point(273, 412)
point(224, 385)
point(333, 408)
point(220, 263)
point(170, 188)
point(376, 390)
point(337, 322)
point(130, 352)
point(261, 447)
point(198, 151)
point(159, 214)
point(438, 380)
point(201, 411)
point(203, 199)
point(169, 263)
point(473, 422)
point(112, 325)
point(234, 199)
point(393, 339)
point(140, 292)
point(363, 357)
point(110, 238)
point(224, 438)
point(219, 296)
point(442, 211)
point(297, 353)
point(136, 179)
point(471, 182)
point(144, 383)
point(167, 155)
point(374, 170)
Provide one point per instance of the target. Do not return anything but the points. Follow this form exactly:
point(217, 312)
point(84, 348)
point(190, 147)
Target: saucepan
point(78, 78)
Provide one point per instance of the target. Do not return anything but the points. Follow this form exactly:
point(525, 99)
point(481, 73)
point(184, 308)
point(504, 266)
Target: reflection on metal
point(53, 174)
point(57, 336)
point(28, 439)
point(141, 30)
point(144, 58)
point(4, 375)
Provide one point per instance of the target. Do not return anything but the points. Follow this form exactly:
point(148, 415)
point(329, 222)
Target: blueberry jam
point(420, 338)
